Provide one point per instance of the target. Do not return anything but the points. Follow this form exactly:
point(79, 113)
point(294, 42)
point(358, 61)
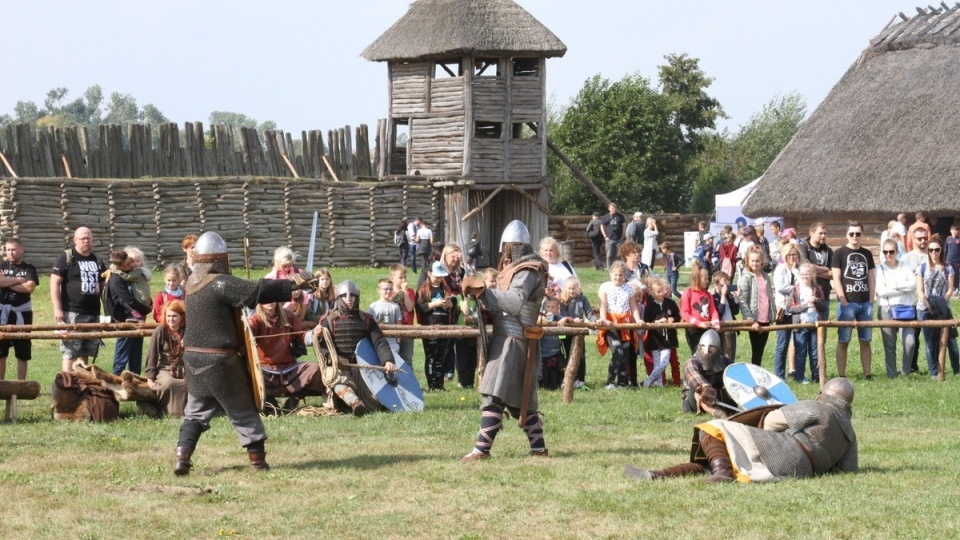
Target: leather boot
point(181, 463)
point(716, 450)
point(683, 469)
point(258, 460)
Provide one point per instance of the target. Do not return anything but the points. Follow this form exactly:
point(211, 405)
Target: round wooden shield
point(752, 386)
point(406, 395)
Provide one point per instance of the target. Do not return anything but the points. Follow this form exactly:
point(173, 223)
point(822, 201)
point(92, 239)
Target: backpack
point(474, 251)
point(398, 238)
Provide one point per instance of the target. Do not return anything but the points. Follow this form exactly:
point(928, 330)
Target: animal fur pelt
point(73, 390)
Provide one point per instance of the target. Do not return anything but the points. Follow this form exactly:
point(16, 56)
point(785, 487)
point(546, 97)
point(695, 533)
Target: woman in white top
point(896, 286)
point(559, 270)
point(785, 276)
point(650, 242)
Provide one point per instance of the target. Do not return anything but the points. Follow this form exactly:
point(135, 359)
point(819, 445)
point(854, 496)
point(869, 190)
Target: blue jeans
point(672, 278)
point(128, 354)
point(931, 343)
point(855, 311)
point(805, 345)
point(780, 353)
point(412, 253)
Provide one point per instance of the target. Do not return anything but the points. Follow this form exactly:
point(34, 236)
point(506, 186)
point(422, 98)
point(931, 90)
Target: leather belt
point(806, 452)
point(206, 350)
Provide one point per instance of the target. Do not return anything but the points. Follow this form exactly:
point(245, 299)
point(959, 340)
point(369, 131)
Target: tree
point(240, 120)
point(683, 84)
point(728, 162)
point(122, 109)
point(621, 135)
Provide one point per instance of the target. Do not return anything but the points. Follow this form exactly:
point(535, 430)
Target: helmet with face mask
point(515, 241)
point(708, 350)
point(347, 290)
point(209, 257)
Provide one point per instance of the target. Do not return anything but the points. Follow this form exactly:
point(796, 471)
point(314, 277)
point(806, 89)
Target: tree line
point(656, 148)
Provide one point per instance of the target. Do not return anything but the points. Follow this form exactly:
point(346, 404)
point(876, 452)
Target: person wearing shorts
point(75, 284)
point(18, 280)
point(853, 280)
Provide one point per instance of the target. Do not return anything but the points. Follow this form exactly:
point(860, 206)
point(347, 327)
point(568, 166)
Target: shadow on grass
point(361, 462)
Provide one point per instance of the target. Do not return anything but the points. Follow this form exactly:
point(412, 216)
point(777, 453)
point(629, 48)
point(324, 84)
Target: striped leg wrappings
point(491, 420)
point(534, 428)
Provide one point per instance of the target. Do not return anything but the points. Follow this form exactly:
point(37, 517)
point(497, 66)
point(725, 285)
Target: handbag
point(903, 312)
point(780, 316)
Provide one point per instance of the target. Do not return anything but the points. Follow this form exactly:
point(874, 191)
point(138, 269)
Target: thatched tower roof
point(444, 28)
point(886, 138)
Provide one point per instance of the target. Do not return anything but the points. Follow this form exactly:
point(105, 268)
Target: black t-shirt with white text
point(23, 270)
point(855, 266)
point(613, 225)
point(82, 282)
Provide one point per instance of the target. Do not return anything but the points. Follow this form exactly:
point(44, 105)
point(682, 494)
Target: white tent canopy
point(729, 209)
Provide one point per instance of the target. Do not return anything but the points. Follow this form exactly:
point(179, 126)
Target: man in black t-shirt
point(75, 284)
point(17, 282)
point(853, 281)
point(815, 251)
point(612, 229)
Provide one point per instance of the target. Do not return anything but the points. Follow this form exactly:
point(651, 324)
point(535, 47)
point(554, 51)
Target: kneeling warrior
point(514, 353)
point(347, 325)
point(800, 440)
point(215, 372)
point(703, 378)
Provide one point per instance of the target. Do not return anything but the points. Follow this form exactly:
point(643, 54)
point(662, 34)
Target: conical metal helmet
point(709, 339)
point(210, 247)
point(515, 232)
point(840, 387)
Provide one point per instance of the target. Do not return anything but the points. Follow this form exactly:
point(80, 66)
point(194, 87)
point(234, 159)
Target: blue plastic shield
point(405, 396)
point(752, 386)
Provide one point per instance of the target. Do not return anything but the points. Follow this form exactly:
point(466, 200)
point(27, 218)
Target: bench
point(11, 391)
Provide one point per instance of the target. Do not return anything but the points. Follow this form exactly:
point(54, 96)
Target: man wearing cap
point(635, 228)
point(595, 235)
point(612, 230)
point(800, 440)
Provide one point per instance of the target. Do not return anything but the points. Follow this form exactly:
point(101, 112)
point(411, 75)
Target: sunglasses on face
point(920, 238)
point(934, 250)
point(854, 234)
point(889, 252)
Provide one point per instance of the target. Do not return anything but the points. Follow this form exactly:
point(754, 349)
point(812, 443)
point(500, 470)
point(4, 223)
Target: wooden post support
point(578, 173)
point(66, 165)
point(573, 365)
point(10, 391)
point(326, 162)
point(6, 164)
point(822, 354)
point(290, 165)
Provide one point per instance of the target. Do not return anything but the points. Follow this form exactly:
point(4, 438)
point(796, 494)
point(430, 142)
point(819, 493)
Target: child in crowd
point(660, 308)
point(490, 277)
point(138, 277)
point(322, 298)
point(172, 290)
point(725, 299)
point(435, 305)
point(618, 305)
point(577, 306)
point(385, 311)
point(405, 298)
point(552, 357)
point(805, 302)
point(672, 261)
point(727, 255)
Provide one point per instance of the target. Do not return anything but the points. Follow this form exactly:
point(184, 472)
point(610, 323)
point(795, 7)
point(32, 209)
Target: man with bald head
point(75, 284)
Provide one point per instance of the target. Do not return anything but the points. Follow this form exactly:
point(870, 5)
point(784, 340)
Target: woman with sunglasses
point(897, 299)
point(933, 291)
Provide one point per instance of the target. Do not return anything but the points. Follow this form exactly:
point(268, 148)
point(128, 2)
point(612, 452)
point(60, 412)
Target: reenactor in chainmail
point(800, 440)
point(515, 307)
point(348, 325)
point(216, 375)
point(703, 378)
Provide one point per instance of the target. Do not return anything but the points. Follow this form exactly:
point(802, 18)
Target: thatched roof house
point(887, 137)
point(439, 28)
point(467, 109)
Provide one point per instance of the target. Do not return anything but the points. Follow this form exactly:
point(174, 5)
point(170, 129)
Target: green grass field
point(397, 476)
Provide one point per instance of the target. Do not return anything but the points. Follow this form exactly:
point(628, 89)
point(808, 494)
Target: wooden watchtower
point(467, 109)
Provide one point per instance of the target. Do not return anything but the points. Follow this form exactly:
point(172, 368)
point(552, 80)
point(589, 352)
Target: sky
point(298, 63)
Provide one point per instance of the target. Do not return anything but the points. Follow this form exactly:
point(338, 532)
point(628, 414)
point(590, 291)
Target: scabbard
point(533, 358)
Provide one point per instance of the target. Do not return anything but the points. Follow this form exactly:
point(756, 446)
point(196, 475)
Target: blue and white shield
point(405, 396)
point(752, 386)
